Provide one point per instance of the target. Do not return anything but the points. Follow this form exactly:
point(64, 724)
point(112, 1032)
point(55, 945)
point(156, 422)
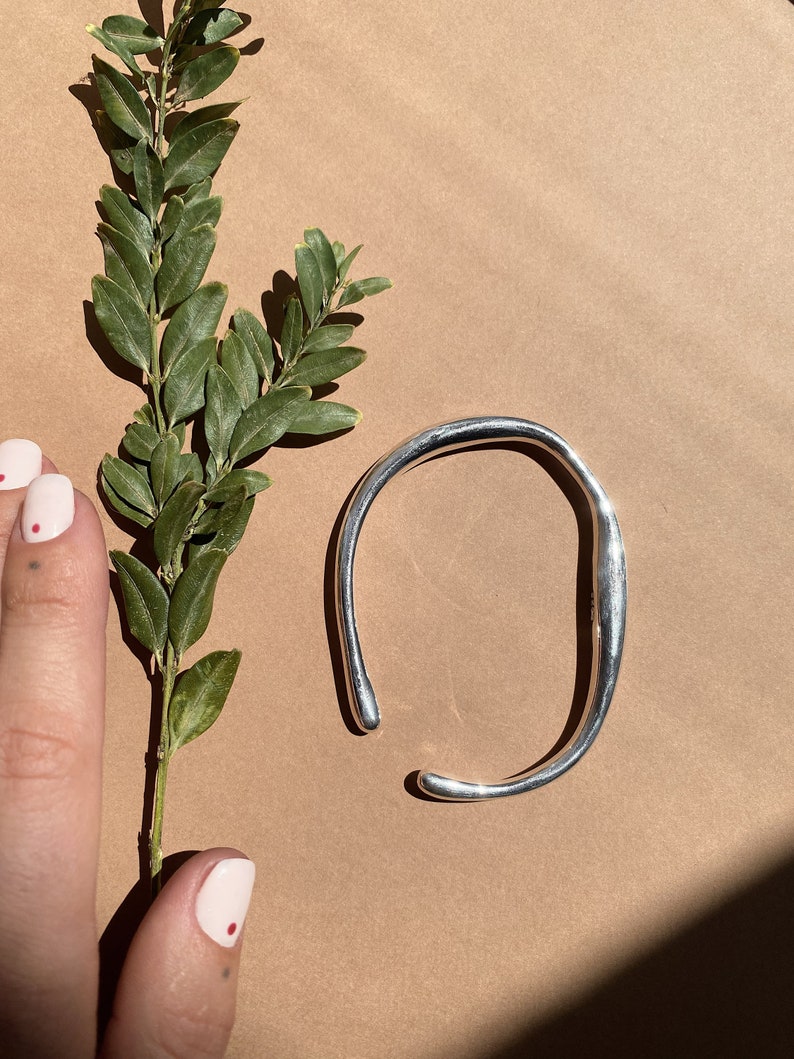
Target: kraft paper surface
point(586, 212)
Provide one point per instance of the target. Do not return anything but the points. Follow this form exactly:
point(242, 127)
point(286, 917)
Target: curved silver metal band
point(609, 591)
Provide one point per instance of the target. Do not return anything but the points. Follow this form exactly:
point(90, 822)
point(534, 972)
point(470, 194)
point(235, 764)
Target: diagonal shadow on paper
point(719, 989)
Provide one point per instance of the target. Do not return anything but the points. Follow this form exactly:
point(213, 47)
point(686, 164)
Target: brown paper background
point(586, 212)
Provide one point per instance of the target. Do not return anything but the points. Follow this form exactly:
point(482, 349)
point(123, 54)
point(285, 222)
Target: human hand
point(176, 994)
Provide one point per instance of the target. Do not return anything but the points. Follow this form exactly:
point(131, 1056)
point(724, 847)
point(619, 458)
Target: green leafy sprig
point(248, 390)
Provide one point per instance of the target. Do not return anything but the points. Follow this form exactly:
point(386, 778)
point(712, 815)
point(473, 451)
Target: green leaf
point(116, 47)
point(252, 481)
point(122, 102)
point(140, 440)
point(129, 483)
point(192, 598)
point(190, 469)
point(124, 159)
point(196, 319)
point(218, 518)
point(325, 366)
point(118, 144)
point(123, 320)
point(145, 414)
point(184, 264)
point(173, 520)
point(373, 285)
point(339, 252)
point(136, 36)
point(199, 152)
point(344, 268)
point(292, 331)
point(266, 420)
point(222, 515)
point(149, 180)
point(209, 27)
point(363, 288)
point(145, 602)
point(226, 524)
point(127, 218)
point(200, 695)
point(164, 470)
point(324, 417)
point(327, 337)
point(172, 216)
point(206, 73)
point(197, 192)
point(230, 533)
point(205, 211)
point(257, 342)
point(202, 116)
point(123, 507)
point(126, 264)
point(324, 253)
point(239, 366)
point(202, 211)
point(222, 411)
point(310, 280)
point(184, 387)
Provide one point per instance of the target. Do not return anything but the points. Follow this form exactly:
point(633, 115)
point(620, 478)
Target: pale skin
point(176, 996)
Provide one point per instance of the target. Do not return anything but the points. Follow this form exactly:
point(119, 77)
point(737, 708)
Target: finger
point(20, 462)
point(54, 597)
point(177, 992)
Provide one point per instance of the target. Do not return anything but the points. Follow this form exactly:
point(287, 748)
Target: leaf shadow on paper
point(583, 599)
point(720, 988)
point(152, 11)
point(87, 94)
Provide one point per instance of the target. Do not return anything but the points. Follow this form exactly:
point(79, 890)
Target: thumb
point(177, 991)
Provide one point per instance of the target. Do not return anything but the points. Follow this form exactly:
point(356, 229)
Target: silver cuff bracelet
point(608, 599)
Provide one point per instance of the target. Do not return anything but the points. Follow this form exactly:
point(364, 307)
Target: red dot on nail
point(2, 477)
point(231, 928)
point(35, 528)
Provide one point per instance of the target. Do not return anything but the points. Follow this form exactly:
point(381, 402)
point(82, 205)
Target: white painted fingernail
point(48, 508)
point(222, 901)
point(20, 463)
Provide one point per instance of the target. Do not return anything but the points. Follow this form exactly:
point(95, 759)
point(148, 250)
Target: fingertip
point(178, 985)
point(222, 900)
point(20, 463)
point(56, 551)
point(50, 505)
point(214, 887)
point(48, 508)
point(196, 866)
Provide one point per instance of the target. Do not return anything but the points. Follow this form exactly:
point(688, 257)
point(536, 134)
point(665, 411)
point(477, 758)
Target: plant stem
point(171, 661)
point(163, 756)
point(160, 103)
point(155, 378)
